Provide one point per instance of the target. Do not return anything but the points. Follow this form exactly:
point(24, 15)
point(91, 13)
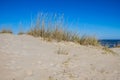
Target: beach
point(24, 57)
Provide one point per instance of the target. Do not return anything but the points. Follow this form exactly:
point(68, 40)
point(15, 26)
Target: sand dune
point(24, 57)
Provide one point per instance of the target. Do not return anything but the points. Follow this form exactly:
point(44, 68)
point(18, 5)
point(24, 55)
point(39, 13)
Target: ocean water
point(110, 43)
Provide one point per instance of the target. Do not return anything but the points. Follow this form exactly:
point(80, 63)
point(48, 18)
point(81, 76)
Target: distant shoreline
point(110, 42)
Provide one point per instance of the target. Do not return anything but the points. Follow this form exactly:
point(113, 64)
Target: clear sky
point(100, 18)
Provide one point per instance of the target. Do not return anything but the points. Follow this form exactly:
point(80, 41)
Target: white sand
point(24, 57)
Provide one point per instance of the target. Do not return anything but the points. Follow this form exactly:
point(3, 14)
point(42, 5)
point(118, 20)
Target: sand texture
point(23, 57)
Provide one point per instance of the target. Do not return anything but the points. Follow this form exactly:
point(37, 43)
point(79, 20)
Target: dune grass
point(54, 29)
point(6, 31)
point(60, 34)
point(107, 50)
point(89, 40)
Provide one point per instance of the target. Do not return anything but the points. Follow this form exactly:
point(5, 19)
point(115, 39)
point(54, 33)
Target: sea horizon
point(110, 42)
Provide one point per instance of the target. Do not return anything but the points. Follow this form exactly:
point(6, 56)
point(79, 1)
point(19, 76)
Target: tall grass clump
point(6, 30)
point(52, 27)
point(88, 40)
point(39, 29)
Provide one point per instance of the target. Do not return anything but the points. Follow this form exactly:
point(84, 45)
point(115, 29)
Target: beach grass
point(5, 30)
point(89, 40)
point(53, 28)
point(56, 30)
point(107, 50)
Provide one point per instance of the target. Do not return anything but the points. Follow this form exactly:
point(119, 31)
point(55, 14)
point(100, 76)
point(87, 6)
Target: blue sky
point(100, 18)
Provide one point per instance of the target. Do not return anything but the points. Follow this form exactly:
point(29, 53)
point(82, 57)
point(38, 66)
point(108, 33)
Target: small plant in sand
point(66, 62)
point(51, 78)
point(6, 31)
point(107, 50)
point(62, 51)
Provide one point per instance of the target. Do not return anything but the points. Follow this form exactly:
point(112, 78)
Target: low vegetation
point(107, 50)
point(21, 33)
point(53, 28)
point(56, 30)
point(87, 40)
point(62, 51)
point(6, 31)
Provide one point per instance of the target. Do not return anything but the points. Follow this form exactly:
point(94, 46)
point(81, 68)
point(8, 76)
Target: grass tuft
point(6, 31)
point(107, 50)
point(87, 40)
point(62, 51)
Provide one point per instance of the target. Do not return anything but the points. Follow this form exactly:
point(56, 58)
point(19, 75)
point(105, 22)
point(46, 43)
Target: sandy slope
point(27, 58)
